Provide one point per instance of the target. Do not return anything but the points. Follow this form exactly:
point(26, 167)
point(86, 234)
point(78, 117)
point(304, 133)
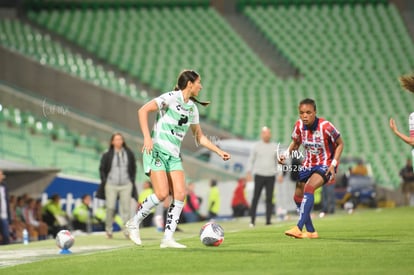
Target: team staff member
point(117, 170)
point(323, 147)
point(262, 164)
point(176, 112)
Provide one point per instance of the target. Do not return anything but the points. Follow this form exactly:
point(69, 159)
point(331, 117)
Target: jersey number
point(183, 120)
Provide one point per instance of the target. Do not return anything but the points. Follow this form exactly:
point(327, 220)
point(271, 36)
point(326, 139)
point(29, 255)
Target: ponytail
point(203, 103)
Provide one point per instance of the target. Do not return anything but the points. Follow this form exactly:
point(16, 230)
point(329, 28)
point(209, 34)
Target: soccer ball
point(64, 239)
point(212, 234)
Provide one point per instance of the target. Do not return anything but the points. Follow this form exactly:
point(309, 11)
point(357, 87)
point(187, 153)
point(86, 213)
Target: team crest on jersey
point(158, 162)
point(317, 136)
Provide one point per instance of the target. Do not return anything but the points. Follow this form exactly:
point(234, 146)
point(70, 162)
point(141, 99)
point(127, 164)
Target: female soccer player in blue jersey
point(323, 148)
point(177, 112)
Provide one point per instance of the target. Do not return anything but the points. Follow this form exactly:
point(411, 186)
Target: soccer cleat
point(294, 232)
point(171, 243)
point(133, 232)
point(310, 235)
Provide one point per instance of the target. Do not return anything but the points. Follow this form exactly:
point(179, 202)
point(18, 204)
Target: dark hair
point(213, 182)
point(183, 78)
point(407, 82)
point(112, 139)
point(85, 196)
point(308, 101)
point(55, 197)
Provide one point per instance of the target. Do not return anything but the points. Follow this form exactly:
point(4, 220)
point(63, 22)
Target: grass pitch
point(376, 241)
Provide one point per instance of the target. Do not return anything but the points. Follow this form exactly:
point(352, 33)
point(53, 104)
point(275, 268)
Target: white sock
point(173, 217)
point(150, 202)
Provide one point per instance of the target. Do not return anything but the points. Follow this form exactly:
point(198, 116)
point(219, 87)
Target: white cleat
point(171, 243)
point(133, 232)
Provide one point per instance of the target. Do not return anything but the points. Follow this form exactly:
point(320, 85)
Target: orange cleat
point(294, 232)
point(310, 235)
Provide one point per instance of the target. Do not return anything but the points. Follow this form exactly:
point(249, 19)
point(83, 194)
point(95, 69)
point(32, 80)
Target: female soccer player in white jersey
point(407, 83)
point(177, 112)
point(323, 148)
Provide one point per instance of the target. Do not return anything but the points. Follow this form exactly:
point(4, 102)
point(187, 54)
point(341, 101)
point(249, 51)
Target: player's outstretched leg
point(132, 225)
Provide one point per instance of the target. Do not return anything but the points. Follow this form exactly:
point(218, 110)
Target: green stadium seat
point(348, 55)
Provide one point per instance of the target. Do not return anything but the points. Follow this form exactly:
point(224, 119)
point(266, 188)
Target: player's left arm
point(204, 141)
point(339, 147)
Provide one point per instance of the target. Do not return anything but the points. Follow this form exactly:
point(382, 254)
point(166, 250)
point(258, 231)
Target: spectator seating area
point(349, 57)
point(37, 141)
point(31, 42)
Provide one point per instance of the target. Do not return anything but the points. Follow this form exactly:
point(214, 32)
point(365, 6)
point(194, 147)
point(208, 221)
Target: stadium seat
point(42, 143)
point(348, 55)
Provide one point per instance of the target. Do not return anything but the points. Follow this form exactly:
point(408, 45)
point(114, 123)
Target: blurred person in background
point(407, 175)
point(5, 215)
point(54, 216)
point(239, 203)
point(17, 226)
point(328, 198)
point(37, 229)
point(214, 200)
point(82, 214)
point(262, 164)
point(360, 169)
point(117, 171)
point(191, 205)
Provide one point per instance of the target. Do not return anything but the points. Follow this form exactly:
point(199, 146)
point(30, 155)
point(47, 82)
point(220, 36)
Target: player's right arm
point(295, 143)
point(143, 112)
point(407, 139)
point(293, 146)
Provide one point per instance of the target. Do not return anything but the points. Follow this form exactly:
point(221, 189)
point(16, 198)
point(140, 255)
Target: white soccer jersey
point(172, 122)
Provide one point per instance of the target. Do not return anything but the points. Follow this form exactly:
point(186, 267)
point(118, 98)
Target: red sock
point(309, 189)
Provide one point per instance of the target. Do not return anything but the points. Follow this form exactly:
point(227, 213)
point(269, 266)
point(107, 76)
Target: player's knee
point(162, 195)
point(179, 195)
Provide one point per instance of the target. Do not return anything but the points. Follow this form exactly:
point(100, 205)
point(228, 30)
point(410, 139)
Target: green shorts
point(159, 161)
